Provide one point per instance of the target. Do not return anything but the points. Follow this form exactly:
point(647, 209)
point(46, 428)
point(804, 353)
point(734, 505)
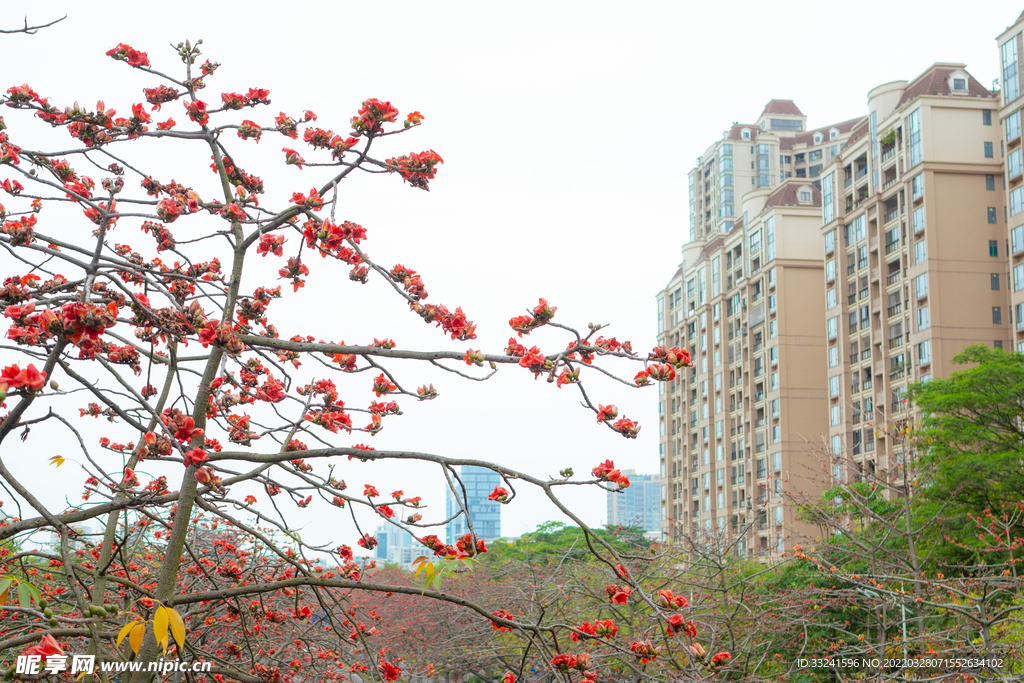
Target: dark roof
point(808, 137)
point(782, 107)
point(934, 82)
point(785, 195)
point(735, 133)
point(858, 132)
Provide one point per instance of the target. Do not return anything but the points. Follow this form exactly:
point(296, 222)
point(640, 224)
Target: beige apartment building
point(826, 270)
point(914, 253)
point(1011, 63)
point(737, 428)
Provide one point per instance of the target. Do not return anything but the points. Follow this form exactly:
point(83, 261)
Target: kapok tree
point(130, 296)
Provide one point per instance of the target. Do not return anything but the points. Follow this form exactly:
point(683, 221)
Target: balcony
point(866, 385)
point(864, 293)
point(851, 269)
point(895, 310)
point(892, 278)
point(896, 341)
point(865, 354)
point(853, 328)
point(854, 357)
point(890, 216)
point(852, 299)
point(861, 173)
point(891, 246)
point(847, 182)
point(889, 154)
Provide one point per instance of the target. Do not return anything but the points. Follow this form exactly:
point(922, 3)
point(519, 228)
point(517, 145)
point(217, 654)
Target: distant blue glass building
point(485, 514)
point(639, 505)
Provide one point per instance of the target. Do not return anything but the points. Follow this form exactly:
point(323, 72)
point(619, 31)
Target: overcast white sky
point(567, 130)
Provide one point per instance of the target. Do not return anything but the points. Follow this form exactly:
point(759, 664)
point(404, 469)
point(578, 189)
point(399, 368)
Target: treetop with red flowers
point(229, 417)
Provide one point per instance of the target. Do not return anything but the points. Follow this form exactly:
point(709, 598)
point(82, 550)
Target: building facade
point(484, 514)
point(746, 302)
point(639, 505)
point(1010, 44)
point(914, 253)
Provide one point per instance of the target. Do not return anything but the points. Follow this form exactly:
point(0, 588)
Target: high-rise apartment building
point(747, 302)
point(914, 253)
point(484, 514)
point(639, 505)
point(829, 270)
point(1011, 63)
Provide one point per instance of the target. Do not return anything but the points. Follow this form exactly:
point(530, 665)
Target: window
point(1013, 126)
point(769, 238)
point(920, 252)
point(1018, 277)
point(1016, 201)
point(914, 122)
point(828, 211)
point(993, 248)
point(918, 219)
point(830, 270)
point(921, 285)
point(990, 182)
point(833, 356)
point(917, 186)
point(997, 315)
point(715, 279)
point(805, 195)
point(1013, 163)
point(924, 353)
point(1017, 239)
point(774, 386)
point(755, 242)
point(988, 150)
point(833, 412)
point(833, 326)
point(860, 226)
point(833, 386)
point(992, 215)
point(773, 329)
point(785, 124)
point(830, 238)
point(960, 84)
point(837, 444)
point(986, 117)
point(1011, 87)
point(922, 319)
point(994, 281)
point(830, 299)
point(776, 434)
point(745, 134)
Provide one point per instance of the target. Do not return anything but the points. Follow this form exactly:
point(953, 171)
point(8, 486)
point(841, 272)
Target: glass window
point(833, 386)
point(914, 121)
point(827, 208)
point(833, 356)
point(1016, 201)
point(991, 215)
point(1013, 126)
point(990, 182)
point(773, 329)
point(833, 412)
point(769, 238)
point(993, 248)
point(918, 219)
point(924, 352)
point(830, 241)
point(920, 252)
point(830, 299)
point(830, 270)
point(1018, 277)
point(1013, 164)
point(833, 327)
point(986, 117)
point(994, 282)
point(921, 285)
point(988, 150)
point(1011, 86)
point(917, 186)
point(922, 319)
point(997, 315)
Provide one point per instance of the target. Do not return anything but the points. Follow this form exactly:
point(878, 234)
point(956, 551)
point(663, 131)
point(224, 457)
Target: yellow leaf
point(135, 638)
point(419, 560)
point(124, 631)
point(57, 460)
point(177, 626)
point(160, 622)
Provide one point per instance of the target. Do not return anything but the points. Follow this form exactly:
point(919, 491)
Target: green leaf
point(24, 595)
